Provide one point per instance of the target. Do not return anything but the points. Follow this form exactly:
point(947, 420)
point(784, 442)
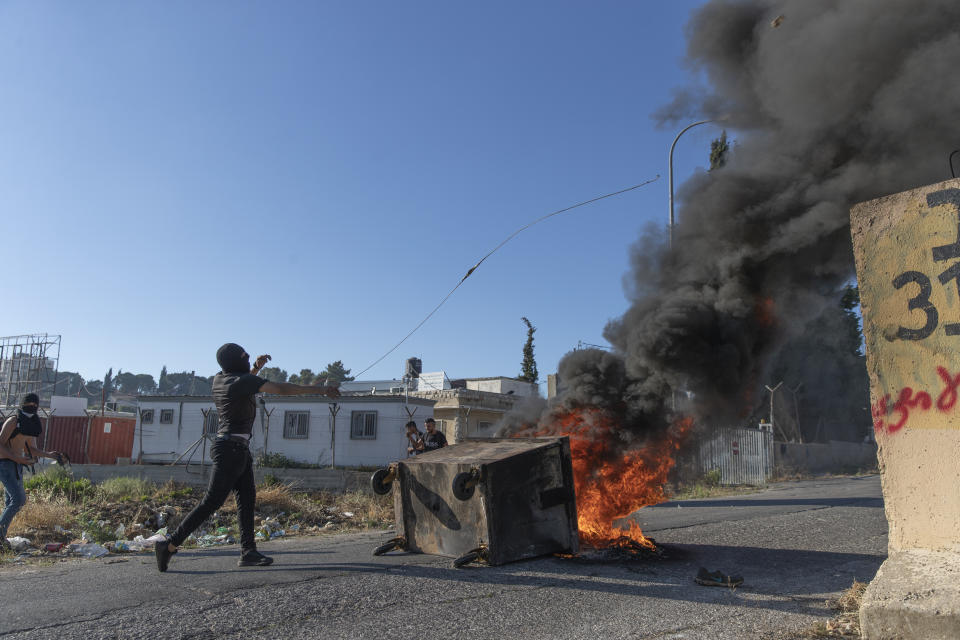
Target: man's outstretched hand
point(261, 360)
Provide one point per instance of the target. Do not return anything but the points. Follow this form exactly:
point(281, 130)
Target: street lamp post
point(670, 180)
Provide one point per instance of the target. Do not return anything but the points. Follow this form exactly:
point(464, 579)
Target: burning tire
point(466, 559)
point(477, 555)
point(395, 543)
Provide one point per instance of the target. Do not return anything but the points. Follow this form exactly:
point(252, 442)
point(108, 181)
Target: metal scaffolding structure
point(28, 364)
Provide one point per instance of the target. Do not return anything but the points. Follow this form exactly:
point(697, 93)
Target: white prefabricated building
point(349, 431)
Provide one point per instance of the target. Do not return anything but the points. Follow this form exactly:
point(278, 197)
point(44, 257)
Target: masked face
point(29, 409)
point(233, 359)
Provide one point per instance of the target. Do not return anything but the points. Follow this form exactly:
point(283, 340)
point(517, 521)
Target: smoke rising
point(839, 103)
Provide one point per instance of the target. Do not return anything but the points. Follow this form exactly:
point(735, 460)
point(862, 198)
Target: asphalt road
point(796, 544)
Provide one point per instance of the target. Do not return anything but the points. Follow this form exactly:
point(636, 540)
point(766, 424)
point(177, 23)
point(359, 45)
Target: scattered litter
point(120, 546)
point(89, 550)
point(210, 540)
point(717, 579)
point(18, 543)
point(121, 531)
point(348, 514)
point(53, 547)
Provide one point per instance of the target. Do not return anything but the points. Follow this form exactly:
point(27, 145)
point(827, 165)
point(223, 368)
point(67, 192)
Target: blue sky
point(310, 178)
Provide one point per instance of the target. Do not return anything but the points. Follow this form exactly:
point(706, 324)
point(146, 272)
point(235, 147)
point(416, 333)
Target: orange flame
point(610, 485)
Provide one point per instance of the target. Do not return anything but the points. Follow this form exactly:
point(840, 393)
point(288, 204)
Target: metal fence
point(743, 456)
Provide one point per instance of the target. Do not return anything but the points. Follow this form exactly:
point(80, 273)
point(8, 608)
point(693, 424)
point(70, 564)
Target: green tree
point(92, 390)
point(69, 383)
point(135, 383)
point(336, 372)
point(108, 383)
point(849, 302)
point(306, 376)
point(528, 368)
point(163, 385)
point(718, 151)
point(187, 383)
point(273, 374)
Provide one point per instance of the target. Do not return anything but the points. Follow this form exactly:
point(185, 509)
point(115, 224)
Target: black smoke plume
point(831, 103)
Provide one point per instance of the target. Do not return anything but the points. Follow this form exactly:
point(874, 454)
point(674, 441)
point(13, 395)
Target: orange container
point(67, 435)
point(110, 438)
point(93, 440)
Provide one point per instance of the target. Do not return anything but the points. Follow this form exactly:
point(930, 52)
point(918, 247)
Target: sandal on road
point(717, 579)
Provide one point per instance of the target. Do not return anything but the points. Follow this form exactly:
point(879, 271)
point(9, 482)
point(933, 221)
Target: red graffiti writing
point(908, 400)
point(948, 397)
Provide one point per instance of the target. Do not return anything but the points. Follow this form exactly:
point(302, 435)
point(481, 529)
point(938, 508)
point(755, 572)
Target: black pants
point(232, 471)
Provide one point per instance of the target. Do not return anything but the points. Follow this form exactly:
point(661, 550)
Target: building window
point(296, 424)
point(166, 416)
point(146, 416)
point(211, 422)
point(484, 426)
point(363, 425)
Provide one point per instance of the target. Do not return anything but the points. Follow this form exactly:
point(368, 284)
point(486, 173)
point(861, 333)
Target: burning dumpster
point(494, 500)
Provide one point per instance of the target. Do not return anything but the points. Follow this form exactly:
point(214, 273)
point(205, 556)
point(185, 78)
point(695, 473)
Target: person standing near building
point(234, 390)
point(433, 439)
point(18, 448)
point(415, 438)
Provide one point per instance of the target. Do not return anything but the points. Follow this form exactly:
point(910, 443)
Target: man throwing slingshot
point(234, 389)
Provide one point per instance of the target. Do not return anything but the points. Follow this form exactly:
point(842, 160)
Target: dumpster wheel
point(477, 555)
point(395, 543)
point(382, 479)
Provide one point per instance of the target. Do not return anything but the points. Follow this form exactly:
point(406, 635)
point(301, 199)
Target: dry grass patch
point(847, 622)
point(42, 516)
point(370, 509)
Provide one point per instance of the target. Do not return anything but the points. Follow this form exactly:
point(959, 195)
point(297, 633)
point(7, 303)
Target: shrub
point(125, 488)
point(99, 531)
point(712, 478)
point(57, 481)
point(280, 461)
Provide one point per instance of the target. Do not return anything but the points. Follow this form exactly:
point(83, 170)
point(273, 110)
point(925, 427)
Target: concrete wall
point(336, 480)
point(835, 457)
point(908, 266)
point(503, 385)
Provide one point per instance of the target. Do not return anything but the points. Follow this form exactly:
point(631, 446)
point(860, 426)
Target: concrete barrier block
point(915, 594)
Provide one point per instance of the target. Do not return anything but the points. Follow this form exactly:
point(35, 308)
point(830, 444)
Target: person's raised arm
point(261, 360)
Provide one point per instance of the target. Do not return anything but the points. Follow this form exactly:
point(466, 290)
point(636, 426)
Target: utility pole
point(796, 411)
point(670, 176)
point(772, 391)
point(334, 410)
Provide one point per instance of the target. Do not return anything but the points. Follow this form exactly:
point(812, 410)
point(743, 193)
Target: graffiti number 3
point(920, 301)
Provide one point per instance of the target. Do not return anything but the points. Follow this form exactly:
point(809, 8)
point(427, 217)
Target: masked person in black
point(234, 390)
point(18, 448)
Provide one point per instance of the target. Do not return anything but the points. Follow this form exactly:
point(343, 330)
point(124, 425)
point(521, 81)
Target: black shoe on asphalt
point(253, 559)
point(163, 552)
